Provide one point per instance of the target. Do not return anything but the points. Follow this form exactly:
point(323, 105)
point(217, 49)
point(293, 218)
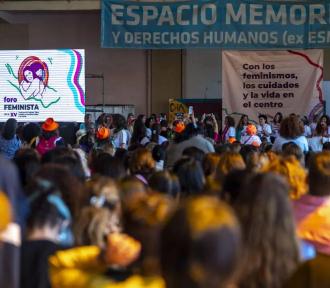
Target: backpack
point(44, 145)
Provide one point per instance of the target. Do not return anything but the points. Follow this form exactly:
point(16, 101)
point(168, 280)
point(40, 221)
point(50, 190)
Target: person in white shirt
point(229, 131)
point(241, 127)
point(149, 122)
point(314, 123)
point(275, 124)
point(120, 135)
point(307, 128)
point(155, 135)
point(320, 137)
point(291, 130)
point(264, 129)
point(251, 138)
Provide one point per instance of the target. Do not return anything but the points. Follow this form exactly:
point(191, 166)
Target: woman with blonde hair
point(101, 215)
point(228, 162)
point(291, 169)
point(94, 224)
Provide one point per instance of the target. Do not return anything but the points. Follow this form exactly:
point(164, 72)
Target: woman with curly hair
point(264, 129)
point(291, 130)
point(320, 136)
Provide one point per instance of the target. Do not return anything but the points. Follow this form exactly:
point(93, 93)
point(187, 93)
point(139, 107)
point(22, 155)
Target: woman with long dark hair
point(241, 127)
point(155, 134)
point(211, 130)
point(191, 177)
point(121, 135)
point(270, 247)
point(319, 138)
point(275, 125)
point(264, 129)
point(139, 136)
point(47, 219)
point(149, 122)
point(9, 142)
point(229, 131)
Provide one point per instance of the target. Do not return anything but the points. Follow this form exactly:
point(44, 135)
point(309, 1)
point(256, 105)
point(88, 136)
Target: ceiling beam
point(57, 5)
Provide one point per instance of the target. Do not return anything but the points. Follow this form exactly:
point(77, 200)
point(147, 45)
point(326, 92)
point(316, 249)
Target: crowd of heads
point(183, 203)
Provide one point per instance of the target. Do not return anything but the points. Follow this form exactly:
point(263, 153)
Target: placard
point(267, 82)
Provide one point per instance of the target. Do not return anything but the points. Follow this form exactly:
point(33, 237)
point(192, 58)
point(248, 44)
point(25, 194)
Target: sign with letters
point(227, 24)
point(267, 82)
point(37, 84)
point(176, 109)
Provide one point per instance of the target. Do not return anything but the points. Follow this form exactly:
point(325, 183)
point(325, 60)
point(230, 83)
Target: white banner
point(37, 84)
point(267, 82)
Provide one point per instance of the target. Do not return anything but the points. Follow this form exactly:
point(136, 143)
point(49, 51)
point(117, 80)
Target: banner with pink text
point(267, 82)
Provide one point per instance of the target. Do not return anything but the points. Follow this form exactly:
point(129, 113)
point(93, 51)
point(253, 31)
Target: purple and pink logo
point(33, 77)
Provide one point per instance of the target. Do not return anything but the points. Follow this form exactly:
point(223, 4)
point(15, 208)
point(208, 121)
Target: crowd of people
point(147, 202)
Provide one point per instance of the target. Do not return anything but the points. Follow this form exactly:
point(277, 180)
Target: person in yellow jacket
point(133, 263)
point(86, 266)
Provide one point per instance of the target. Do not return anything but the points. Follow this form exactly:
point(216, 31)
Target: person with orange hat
point(102, 136)
point(50, 137)
point(178, 126)
point(251, 137)
point(190, 138)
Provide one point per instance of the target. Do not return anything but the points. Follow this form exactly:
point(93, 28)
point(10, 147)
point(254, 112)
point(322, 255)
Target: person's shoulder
point(199, 138)
point(256, 138)
point(40, 247)
point(162, 139)
point(279, 139)
point(207, 143)
point(302, 139)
